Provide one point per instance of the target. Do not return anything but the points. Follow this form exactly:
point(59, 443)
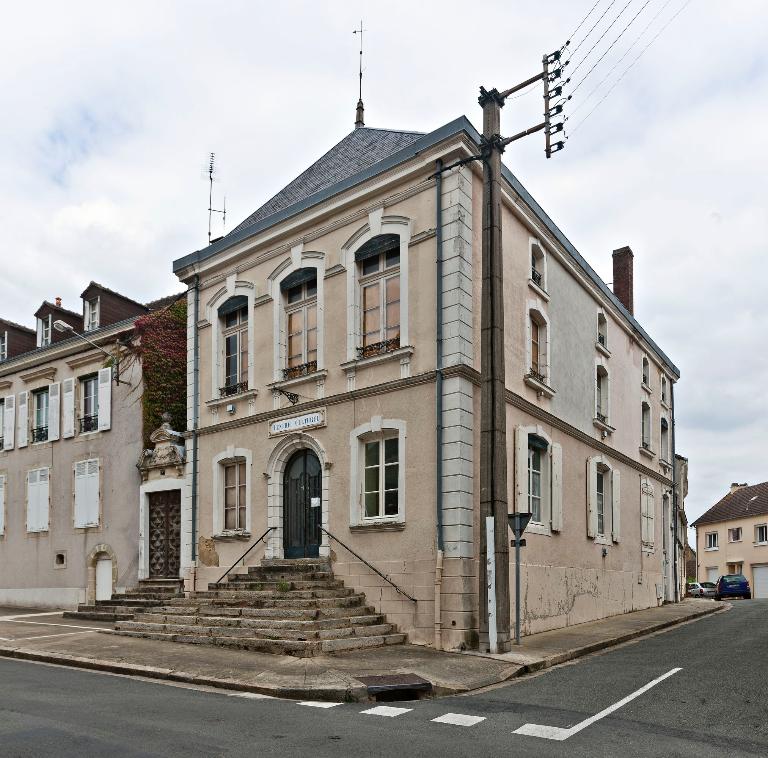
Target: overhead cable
point(581, 23)
point(608, 28)
point(586, 36)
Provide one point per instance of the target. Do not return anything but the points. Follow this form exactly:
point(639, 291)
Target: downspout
point(195, 417)
point(439, 404)
point(674, 495)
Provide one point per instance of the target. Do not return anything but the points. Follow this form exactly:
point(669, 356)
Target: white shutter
point(23, 420)
point(43, 485)
point(2, 504)
point(32, 489)
point(521, 470)
point(105, 399)
point(39, 332)
point(591, 497)
point(557, 487)
point(616, 505)
point(9, 422)
point(651, 516)
point(54, 403)
point(68, 408)
point(87, 493)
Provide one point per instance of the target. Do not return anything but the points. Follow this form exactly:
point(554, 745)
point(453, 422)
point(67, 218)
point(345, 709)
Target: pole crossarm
point(511, 91)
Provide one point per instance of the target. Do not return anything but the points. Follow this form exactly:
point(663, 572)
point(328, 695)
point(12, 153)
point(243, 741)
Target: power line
point(586, 36)
point(626, 70)
point(608, 50)
point(629, 2)
point(581, 23)
point(618, 62)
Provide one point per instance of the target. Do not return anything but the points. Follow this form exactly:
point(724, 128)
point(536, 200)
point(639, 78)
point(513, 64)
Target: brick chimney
point(735, 486)
point(623, 285)
point(58, 301)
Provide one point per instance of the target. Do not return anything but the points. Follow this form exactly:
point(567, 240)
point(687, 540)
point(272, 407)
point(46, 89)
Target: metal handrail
point(242, 557)
point(372, 568)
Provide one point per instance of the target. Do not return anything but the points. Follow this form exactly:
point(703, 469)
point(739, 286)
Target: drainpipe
point(674, 495)
point(439, 402)
point(195, 416)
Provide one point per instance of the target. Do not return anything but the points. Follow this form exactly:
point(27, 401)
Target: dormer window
point(3, 346)
point(91, 314)
point(44, 331)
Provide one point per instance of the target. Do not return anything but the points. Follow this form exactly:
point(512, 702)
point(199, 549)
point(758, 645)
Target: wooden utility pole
point(493, 405)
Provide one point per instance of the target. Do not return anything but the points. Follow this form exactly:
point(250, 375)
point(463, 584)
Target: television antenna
point(212, 176)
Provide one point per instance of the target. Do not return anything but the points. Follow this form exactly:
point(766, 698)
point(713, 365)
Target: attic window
point(44, 331)
point(91, 315)
point(3, 346)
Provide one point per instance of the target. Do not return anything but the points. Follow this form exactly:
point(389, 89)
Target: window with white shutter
point(37, 500)
point(68, 408)
point(647, 511)
point(616, 505)
point(54, 403)
point(105, 399)
point(9, 422)
point(23, 419)
point(2, 503)
point(87, 493)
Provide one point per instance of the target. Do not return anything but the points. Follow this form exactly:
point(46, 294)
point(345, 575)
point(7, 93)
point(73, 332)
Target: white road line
point(560, 734)
point(386, 710)
point(50, 623)
point(318, 704)
point(459, 719)
point(251, 695)
point(58, 634)
point(29, 615)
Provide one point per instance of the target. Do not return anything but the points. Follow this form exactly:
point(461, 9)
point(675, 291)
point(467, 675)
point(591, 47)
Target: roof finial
point(359, 114)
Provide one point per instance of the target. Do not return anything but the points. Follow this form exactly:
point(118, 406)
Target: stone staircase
point(286, 607)
point(150, 593)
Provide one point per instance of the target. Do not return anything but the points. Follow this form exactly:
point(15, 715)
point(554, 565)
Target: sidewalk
point(43, 637)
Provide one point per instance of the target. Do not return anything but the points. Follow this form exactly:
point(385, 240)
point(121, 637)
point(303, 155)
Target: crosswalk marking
point(459, 719)
point(386, 710)
point(318, 704)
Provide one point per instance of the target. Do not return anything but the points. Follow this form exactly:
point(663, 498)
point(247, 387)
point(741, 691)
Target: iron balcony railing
point(536, 276)
point(233, 389)
point(304, 369)
point(89, 424)
point(537, 375)
point(378, 348)
point(602, 417)
point(40, 434)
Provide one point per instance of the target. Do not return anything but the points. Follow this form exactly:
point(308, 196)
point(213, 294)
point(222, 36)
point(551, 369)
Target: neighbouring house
point(732, 537)
point(334, 397)
point(690, 564)
point(71, 432)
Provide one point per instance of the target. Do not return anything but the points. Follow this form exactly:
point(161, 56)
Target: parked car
point(701, 589)
point(733, 585)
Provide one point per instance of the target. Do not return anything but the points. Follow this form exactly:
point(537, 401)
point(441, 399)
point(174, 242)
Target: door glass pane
point(372, 479)
point(230, 361)
point(390, 503)
point(371, 504)
point(229, 475)
point(243, 356)
point(391, 473)
point(390, 450)
point(372, 453)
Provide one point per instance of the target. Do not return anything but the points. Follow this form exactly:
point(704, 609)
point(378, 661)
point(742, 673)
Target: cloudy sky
point(109, 111)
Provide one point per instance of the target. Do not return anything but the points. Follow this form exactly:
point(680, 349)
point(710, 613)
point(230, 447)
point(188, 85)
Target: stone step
point(263, 613)
point(298, 648)
point(296, 564)
point(248, 583)
point(121, 600)
point(96, 615)
point(237, 592)
point(276, 574)
point(260, 623)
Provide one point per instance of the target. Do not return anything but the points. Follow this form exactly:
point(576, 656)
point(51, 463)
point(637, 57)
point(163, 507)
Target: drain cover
point(393, 682)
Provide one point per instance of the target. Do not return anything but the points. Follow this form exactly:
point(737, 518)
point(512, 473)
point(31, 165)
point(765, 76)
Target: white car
point(702, 589)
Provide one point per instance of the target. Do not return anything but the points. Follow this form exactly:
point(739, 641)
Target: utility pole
point(493, 405)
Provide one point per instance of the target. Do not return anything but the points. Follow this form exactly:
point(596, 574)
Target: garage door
point(713, 573)
point(760, 581)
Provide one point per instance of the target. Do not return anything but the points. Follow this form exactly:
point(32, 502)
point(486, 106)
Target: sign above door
point(309, 420)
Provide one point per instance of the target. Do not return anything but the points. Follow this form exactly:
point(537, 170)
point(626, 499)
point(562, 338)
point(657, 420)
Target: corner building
point(334, 399)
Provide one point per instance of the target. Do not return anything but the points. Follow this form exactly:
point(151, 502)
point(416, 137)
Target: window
point(380, 300)
point(89, 402)
point(538, 267)
point(664, 440)
point(540, 471)
point(381, 478)
point(91, 315)
point(735, 568)
point(2, 421)
point(87, 493)
point(44, 331)
point(40, 418)
point(301, 327)
point(761, 534)
point(538, 347)
point(601, 394)
point(600, 502)
point(603, 500)
point(646, 426)
point(534, 483)
point(647, 515)
point(235, 334)
point(602, 330)
point(235, 496)
point(711, 540)
point(734, 534)
point(37, 500)
point(664, 390)
point(646, 372)
point(3, 346)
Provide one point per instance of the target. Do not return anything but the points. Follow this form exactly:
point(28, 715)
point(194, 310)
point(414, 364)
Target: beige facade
point(600, 484)
point(69, 519)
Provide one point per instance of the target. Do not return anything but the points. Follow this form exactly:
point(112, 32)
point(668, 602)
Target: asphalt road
point(716, 704)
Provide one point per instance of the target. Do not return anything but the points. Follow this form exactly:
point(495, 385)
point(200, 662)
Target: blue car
point(733, 585)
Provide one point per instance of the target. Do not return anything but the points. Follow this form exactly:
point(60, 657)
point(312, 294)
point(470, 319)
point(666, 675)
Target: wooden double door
point(165, 534)
point(302, 511)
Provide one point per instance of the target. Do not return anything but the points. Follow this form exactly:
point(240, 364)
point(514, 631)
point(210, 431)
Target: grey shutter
point(591, 497)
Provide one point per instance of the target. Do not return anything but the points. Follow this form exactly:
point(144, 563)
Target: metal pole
point(490, 561)
point(493, 438)
point(517, 589)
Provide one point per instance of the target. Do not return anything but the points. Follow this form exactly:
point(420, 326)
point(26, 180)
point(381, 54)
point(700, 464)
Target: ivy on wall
point(160, 344)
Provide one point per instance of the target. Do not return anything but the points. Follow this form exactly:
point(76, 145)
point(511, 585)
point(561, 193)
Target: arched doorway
point(302, 512)
point(103, 578)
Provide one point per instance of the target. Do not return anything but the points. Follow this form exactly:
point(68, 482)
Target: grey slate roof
point(358, 151)
point(360, 169)
point(745, 502)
